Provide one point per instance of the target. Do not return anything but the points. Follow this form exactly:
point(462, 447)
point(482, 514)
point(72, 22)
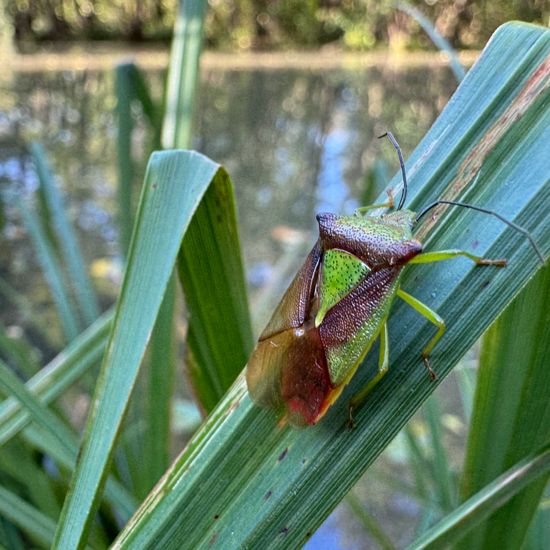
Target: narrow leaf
point(65, 369)
point(485, 502)
point(124, 93)
point(160, 386)
point(182, 74)
point(511, 414)
point(175, 183)
point(56, 438)
point(435, 37)
point(53, 273)
point(66, 236)
point(19, 352)
point(442, 473)
point(31, 521)
point(243, 480)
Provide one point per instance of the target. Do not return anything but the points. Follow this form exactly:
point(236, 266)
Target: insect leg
point(438, 255)
point(434, 318)
point(383, 365)
point(389, 204)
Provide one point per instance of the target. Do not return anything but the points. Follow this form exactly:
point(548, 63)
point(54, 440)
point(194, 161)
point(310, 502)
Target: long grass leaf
point(211, 273)
point(148, 105)
point(511, 414)
point(180, 106)
point(485, 502)
point(39, 527)
point(183, 74)
point(370, 524)
point(57, 438)
point(245, 481)
point(66, 236)
point(65, 369)
point(20, 462)
point(159, 392)
point(175, 183)
point(19, 352)
point(442, 473)
point(439, 41)
point(53, 273)
point(116, 494)
point(125, 164)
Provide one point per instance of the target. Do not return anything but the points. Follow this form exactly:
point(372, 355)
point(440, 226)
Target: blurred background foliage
point(270, 24)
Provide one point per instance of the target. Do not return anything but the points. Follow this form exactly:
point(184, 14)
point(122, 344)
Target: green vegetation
point(241, 479)
point(265, 24)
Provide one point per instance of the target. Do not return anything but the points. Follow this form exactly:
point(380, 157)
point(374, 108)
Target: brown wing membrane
point(293, 308)
point(290, 369)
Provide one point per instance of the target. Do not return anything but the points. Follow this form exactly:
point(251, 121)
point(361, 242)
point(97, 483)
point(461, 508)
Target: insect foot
point(431, 372)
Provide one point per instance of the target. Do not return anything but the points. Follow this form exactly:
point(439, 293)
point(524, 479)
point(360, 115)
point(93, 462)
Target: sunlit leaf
point(244, 480)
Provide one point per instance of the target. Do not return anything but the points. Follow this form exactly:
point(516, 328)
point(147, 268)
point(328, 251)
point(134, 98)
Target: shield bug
point(338, 305)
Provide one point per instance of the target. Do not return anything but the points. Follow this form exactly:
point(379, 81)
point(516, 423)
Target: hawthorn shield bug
point(338, 305)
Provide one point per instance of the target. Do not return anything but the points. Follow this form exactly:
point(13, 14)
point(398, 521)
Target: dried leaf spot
point(282, 455)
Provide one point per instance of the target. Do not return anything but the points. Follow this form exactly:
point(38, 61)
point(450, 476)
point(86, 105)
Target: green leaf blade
point(245, 481)
point(66, 236)
point(514, 364)
point(487, 501)
point(175, 184)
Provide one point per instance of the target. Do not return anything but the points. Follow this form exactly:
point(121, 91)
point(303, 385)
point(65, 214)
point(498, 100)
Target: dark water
point(295, 142)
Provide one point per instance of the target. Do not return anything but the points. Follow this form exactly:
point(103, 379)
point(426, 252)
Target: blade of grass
point(211, 273)
point(66, 236)
point(10, 536)
point(466, 379)
point(53, 273)
point(442, 474)
point(130, 88)
point(116, 495)
point(175, 184)
point(538, 536)
point(183, 74)
point(19, 352)
point(512, 410)
point(18, 461)
point(243, 480)
point(64, 370)
point(124, 93)
point(149, 107)
point(435, 37)
point(484, 503)
point(159, 395)
point(39, 527)
point(369, 523)
point(56, 438)
point(182, 83)
point(417, 462)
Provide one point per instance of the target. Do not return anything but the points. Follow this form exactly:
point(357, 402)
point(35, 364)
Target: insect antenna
point(389, 135)
point(486, 211)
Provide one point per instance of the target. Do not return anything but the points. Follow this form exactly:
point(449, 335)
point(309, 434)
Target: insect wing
point(294, 305)
point(350, 328)
point(289, 369)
